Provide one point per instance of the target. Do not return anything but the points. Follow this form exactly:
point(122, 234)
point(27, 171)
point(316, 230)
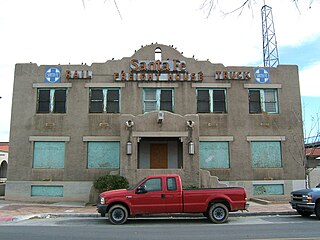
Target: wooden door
point(158, 156)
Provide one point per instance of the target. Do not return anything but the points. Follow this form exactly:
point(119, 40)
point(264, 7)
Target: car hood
point(114, 193)
point(306, 191)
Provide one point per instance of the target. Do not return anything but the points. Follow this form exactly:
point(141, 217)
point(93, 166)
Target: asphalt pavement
point(17, 211)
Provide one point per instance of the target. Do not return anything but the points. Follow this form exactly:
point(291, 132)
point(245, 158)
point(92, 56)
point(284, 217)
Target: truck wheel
point(218, 213)
point(317, 210)
point(304, 213)
point(118, 214)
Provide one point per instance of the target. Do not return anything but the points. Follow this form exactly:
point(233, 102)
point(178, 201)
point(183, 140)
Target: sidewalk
point(17, 211)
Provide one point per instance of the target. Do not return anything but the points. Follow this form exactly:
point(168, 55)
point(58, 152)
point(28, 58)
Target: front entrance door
point(158, 156)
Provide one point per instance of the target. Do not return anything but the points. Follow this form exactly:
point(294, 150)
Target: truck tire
point(218, 213)
point(317, 210)
point(118, 214)
point(304, 213)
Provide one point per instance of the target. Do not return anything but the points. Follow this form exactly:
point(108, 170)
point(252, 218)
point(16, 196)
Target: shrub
point(110, 182)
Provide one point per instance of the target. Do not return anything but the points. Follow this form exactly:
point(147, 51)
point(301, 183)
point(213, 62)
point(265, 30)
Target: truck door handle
point(163, 196)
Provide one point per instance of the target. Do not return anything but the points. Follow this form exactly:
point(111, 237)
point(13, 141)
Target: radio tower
point(270, 50)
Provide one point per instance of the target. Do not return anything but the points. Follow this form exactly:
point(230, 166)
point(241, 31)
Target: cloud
point(309, 80)
point(67, 32)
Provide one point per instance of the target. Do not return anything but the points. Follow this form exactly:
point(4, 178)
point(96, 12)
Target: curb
point(96, 215)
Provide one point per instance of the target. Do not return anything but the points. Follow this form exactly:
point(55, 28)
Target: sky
point(86, 31)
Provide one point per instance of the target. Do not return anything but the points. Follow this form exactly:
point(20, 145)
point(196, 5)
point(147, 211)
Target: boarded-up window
point(104, 100)
point(211, 100)
point(59, 101)
point(166, 100)
point(254, 101)
point(43, 101)
point(266, 154)
point(219, 102)
point(96, 101)
point(268, 189)
point(214, 155)
point(52, 100)
point(48, 154)
point(47, 191)
point(203, 101)
point(112, 101)
point(103, 154)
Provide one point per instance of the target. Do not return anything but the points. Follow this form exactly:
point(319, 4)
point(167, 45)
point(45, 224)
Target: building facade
point(152, 113)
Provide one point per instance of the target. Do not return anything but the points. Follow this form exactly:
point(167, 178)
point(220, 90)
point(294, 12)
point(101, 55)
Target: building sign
point(225, 75)
point(52, 74)
point(262, 75)
point(150, 70)
point(78, 74)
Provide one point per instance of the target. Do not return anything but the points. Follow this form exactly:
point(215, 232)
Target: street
point(258, 227)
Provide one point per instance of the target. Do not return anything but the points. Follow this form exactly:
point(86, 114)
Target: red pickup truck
point(164, 194)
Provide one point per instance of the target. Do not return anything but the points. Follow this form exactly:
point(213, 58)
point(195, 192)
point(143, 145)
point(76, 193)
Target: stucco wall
point(79, 126)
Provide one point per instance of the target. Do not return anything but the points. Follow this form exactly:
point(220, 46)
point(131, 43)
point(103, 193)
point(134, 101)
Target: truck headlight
point(102, 200)
point(307, 198)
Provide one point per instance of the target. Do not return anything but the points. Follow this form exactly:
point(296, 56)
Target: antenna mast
point(270, 50)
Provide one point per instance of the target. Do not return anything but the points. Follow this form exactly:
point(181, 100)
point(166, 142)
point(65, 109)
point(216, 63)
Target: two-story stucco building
point(154, 112)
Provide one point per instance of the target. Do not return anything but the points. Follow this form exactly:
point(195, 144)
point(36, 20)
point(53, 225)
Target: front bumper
point(309, 207)
point(102, 209)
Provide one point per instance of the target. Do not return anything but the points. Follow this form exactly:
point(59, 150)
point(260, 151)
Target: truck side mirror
point(141, 189)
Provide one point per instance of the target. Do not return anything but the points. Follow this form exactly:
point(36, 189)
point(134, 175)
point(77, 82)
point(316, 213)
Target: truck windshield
point(134, 186)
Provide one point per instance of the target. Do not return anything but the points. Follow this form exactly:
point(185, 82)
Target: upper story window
point(263, 100)
point(157, 54)
point(211, 101)
point(158, 99)
point(52, 100)
point(104, 100)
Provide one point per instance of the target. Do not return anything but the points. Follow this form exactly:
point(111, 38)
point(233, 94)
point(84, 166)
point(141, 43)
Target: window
point(157, 54)
point(153, 184)
point(266, 154)
point(48, 154)
point(158, 99)
point(103, 155)
point(214, 155)
point(268, 189)
point(46, 191)
point(52, 100)
point(263, 100)
point(104, 100)
point(171, 184)
point(211, 101)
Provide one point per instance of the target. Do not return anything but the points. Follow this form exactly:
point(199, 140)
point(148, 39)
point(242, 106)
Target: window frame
point(37, 164)
point(52, 108)
point(104, 145)
point(228, 156)
point(104, 100)
point(174, 188)
point(262, 100)
point(157, 99)
point(153, 190)
point(212, 100)
point(258, 165)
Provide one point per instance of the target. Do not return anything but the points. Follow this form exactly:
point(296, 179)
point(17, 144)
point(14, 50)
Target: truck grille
point(303, 198)
point(298, 198)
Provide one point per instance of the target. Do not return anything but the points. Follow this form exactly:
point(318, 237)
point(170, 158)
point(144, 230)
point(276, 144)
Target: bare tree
point(210, 5)
point(115, 3)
